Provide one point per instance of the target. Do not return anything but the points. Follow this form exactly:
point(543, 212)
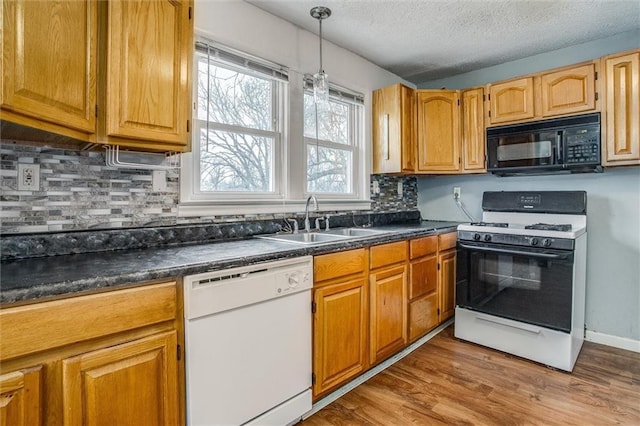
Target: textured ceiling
point(422, 40)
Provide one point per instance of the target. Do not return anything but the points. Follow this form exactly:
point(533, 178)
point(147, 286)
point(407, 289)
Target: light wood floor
point(450, 382)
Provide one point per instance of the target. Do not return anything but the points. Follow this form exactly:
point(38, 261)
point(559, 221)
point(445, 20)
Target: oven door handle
point(516, 252)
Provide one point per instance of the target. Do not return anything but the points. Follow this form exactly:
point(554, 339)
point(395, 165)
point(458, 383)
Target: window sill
point(202, 209)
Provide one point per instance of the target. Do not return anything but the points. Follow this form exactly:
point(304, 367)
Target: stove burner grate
point(495, 225)
point(549, 227)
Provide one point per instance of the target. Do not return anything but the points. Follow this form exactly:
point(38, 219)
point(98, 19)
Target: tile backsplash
point(77, 191)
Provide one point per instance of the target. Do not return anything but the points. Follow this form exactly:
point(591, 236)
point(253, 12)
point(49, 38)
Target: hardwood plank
point(449, 381)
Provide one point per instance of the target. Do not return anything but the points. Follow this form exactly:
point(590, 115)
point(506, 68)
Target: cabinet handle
point(385, 136)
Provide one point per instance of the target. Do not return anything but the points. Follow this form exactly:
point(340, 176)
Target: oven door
point(530, 285)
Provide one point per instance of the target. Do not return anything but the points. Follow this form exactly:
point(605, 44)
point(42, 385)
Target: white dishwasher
point(248, 344)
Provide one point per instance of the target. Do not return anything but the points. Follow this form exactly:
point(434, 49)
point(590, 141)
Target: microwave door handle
point(559, 150)
point(515, 252)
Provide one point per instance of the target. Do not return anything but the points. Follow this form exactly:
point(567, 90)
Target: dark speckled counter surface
point(28, 280)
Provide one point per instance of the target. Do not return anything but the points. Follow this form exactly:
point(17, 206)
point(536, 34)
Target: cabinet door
point(447, 283)
point(388, 327)
point(394, 129)
point(438, 131)
point(511, 101)
point(569, 91)
point(473, 131)
point(339, 334)
point(148, 64)
point(49, 64)
point(132, 383)
point(622, 110)
point(20, 397)
point(423, 294)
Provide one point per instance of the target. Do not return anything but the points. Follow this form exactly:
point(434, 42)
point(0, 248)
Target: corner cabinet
point(146, 82)
point(394, 130)
point(621, 121)
point(49, 65)
point(99, 359)
point(93, 71)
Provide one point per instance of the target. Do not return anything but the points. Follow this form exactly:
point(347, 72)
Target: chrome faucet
point(307, 224)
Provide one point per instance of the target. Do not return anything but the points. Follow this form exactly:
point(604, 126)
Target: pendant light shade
point(320, 79)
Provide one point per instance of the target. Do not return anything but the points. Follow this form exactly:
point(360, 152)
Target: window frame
point(290, 161)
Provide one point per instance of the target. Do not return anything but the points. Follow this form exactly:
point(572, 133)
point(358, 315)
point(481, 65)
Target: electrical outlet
point(376, 187)
point(400, 189)
point(28, 177)
point(456, 192)
point(159, 181)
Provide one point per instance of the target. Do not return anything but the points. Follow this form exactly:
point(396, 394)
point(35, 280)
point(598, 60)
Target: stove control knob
point(546, 242)
point(487, 237)
point(534, 242)
point(476, 237)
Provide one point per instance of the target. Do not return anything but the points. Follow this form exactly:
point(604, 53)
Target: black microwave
point(565, 145)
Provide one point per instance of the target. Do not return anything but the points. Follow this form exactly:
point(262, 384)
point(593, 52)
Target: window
point(243, 157)
point(332, 136)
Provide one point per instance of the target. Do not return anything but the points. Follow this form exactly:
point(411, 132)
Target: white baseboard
point(615, 341)
point(375, 370)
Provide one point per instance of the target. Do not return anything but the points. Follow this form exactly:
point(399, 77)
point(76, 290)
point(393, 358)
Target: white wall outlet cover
point(159, 181)
point(400, 189)
point(28, 177)
point(376, 187)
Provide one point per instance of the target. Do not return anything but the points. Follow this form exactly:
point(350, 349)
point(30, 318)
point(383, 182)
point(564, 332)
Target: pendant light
point(320, 79)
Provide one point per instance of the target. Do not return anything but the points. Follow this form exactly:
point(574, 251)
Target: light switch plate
point(159, 181)
point(400, 189)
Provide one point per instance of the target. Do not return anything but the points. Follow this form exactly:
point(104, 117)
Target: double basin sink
point(323, 237)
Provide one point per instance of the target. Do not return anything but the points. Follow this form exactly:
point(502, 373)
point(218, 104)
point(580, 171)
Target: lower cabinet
point(369, 303)
point(101, 359)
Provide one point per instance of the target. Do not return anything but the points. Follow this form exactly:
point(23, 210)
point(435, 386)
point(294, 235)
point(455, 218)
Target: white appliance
point(521, 273)
point(248, 344)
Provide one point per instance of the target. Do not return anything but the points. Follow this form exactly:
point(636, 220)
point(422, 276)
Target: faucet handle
point(326, 222)
point(295, 224)
point(318, 219)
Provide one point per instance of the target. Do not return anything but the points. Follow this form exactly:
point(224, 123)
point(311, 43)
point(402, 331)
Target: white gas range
point(520, 285)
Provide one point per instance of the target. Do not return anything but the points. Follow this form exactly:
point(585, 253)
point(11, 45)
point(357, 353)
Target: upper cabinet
point(621, 121)
point(428, 131)
point(113, 72)
point(49, 70)
point(568, 91)
point(438, 131)
point(511, 100)
point(394, 130)
point(563, 91)
point(149, 48)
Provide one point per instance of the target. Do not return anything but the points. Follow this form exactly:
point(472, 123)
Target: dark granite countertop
point(28, 280)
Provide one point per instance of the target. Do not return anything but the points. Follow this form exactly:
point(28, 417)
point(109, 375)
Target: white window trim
point(292, 158)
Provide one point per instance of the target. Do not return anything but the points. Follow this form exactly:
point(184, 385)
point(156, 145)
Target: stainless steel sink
point(355, 232)
point(306, 238)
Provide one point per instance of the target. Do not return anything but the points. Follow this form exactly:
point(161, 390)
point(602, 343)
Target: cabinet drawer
point(340, 264)
point(447, 241)
point(423, 246)
point(32, 328)
point(388, 254)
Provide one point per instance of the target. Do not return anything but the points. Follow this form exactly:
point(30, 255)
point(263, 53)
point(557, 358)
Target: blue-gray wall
point(613, 259)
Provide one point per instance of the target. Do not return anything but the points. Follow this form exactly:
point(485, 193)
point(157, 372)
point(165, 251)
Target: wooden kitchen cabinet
point(568, 91)
point(447, 275)
point(114, 72)
point(106, 358)
point(473, 131)
point(394, 130)
point(438, 131)
point(423, 286)
point(20, 396)
point(340, 320)
point(511, 101)
point(49, 65)
point(621, 121)
point(388, 300)
point(146, 87)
